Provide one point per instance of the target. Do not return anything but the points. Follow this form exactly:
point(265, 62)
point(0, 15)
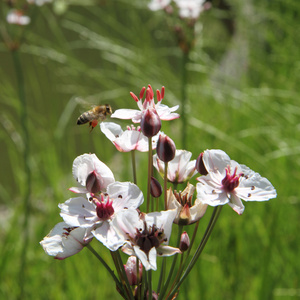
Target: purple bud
point(165, 148)
point(200, 165)
point(93, 182)
point(184, 242)
point(155, 188)
point(150, 122)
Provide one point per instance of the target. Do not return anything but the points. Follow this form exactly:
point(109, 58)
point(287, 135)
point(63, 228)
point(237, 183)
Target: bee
point(95, 115)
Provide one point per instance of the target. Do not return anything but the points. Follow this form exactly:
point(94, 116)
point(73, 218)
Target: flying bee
point(95, 115)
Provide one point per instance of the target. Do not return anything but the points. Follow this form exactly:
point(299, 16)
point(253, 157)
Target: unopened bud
point(165, 148)
point(93, 183)
point(150, 122)
point(200, 165)
point(131, 271)
point(155, 188)
point(184, 242)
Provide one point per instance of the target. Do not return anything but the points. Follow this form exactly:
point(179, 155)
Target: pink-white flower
point(164, 112)
point(190, 9)
point(64, 241)
point(91, 173)
point(187, 211)
point(98, 213)
point(146, 235)
point(180, 168)
point(229, 182)
point(158, 4)
point(16, 16)
point(128, 140)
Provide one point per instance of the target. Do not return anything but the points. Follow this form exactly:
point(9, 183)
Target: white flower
point(180, 168)
point(17, 17)
point(91, 173)
point(187, 212)
point(147, 235)
point(158, 4)
point(229, 182)
point(64, 241)
point(190, 8)
point(164, 112)
point(97, 214)
point(128, 140)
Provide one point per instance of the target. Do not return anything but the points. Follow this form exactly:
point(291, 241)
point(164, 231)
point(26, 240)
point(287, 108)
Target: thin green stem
point(165, 185)
point(120, 268)
point(193, 238)
point(184, 99)
point(133, 166)
point(150, 285)
point(162, 275)
point(110, 271)
point(210, 226)
point(150, 164)
point(124, 276)
point(28, 178)
point(166, 284)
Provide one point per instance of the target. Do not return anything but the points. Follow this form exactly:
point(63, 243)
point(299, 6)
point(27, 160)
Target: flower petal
point(215, 160)
point(78, 212)
point(85, 164)
point(108, 236)
point(111, 130)
point(64, 241)
point(126, 114)
point(236, 204)
point(163, 219)
point(164, 250)
point(125, 194)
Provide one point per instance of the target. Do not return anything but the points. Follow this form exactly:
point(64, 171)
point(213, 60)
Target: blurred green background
point(243, 90)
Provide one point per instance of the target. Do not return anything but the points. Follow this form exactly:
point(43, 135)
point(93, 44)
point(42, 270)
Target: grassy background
point(243, 90)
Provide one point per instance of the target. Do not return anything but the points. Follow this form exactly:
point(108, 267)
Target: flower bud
point(200, 165)
point(165, 148)
point(184, 242)
point(93, 182)
point(155, 188)
point(130, 270)
point(150, 122)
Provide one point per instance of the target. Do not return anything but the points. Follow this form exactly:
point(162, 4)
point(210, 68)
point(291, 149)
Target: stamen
point(230, 182)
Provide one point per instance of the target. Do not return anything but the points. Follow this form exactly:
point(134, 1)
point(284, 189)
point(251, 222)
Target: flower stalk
point(26, 157)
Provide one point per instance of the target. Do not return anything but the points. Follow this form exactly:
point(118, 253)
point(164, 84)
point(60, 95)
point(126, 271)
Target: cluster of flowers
point(189, 9)
point(110, 211)
point(17, 15)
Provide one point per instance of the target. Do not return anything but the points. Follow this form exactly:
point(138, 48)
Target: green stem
point(133, 166)
point(165, 185)
point(210, 226)
point(27, 173)
point(124, 276)
point(111, 272)
point(150, 285)
point(161, 295)
point(184, 99)
point(162, 275)
point(125, 288)
point(150, 164)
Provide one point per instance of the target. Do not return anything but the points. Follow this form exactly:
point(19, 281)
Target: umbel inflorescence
point(139, 223)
